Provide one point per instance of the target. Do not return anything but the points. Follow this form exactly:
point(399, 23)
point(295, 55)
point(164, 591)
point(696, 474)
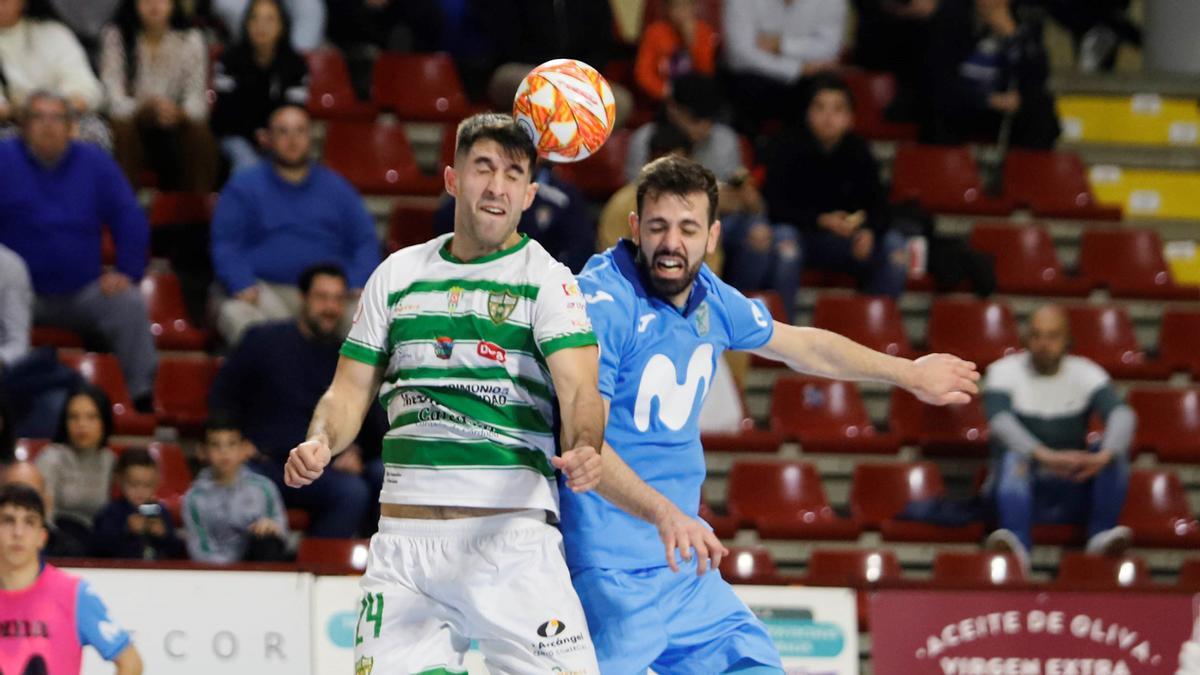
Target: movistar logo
point(675, 401)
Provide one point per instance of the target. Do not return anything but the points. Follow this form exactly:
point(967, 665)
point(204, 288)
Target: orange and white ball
point(568, 109)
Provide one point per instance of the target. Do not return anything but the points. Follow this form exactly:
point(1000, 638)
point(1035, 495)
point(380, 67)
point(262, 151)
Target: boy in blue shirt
point(662, 319)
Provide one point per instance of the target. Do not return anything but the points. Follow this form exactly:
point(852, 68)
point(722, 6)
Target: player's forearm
point(622, 486)
point(827, 354)
point(336, 421)
point(128, 662)
point(582, 419)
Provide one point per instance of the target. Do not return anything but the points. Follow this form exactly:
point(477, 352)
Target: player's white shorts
point(431, 586)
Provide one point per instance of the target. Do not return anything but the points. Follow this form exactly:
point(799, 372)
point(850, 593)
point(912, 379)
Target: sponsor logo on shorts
point(557, 641)
point(364, 665)
point(491, 350)
point(443, 347)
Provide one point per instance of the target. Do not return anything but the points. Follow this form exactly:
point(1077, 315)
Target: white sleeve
point(823, 41)
point(560, 319)
point(368, 339)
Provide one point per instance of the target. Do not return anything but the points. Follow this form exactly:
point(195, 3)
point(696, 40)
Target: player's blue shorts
point(676, 623)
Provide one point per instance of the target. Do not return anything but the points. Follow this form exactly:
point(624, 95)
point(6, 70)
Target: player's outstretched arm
point(678, 531)
point(574, 373)
point(128, 662)
point(335, 422)
point(940, 379)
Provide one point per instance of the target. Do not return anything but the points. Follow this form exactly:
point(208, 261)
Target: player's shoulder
point(410, 261)
point(718, 291)
point(603, 283)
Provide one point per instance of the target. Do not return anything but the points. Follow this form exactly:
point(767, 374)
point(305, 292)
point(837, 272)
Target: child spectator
point(136, 525)
point(230, 512)
point(679, 45)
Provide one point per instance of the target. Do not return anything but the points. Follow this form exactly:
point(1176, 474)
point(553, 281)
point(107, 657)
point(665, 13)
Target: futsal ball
point(568, 109)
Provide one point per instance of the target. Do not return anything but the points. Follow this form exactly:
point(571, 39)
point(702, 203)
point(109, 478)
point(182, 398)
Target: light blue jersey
point(656, 367)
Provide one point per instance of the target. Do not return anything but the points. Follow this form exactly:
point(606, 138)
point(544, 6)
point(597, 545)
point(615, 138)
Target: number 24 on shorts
point(371, 609)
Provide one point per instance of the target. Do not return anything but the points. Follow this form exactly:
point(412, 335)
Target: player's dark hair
point(220, 421)
point(99, 398)
point(828, 82)
point(22, 496)
point(135, 457)
point(320, 269)
point(498, 127)
point(676, 175)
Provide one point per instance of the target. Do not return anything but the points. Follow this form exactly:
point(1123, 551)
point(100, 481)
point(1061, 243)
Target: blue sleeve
point(609, 310)
point(750, 324)
point(363, 242)
point(95, 627)
point(126, 220)
point(229, 227)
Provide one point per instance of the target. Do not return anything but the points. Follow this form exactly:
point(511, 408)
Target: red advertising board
point(1034, 633)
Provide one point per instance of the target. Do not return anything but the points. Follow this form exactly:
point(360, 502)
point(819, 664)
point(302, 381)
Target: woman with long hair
point(155, 70)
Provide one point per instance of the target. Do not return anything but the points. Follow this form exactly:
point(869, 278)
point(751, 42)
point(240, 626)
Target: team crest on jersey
point(501, 305)
point(443, 347)
point(455, 296)
point(364, 665)
point(702, 318)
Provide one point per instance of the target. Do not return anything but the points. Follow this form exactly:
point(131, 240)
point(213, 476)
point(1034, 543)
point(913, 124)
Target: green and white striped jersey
point(466, 387)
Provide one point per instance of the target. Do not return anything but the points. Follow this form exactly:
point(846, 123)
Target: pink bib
point(40, 621)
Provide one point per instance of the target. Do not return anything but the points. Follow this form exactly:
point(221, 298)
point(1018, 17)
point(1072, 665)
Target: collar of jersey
point(449, 257)
point(623, 256)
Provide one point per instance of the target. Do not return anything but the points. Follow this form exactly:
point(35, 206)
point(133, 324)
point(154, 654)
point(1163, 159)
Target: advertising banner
point(200, 623)
point(1034, 633)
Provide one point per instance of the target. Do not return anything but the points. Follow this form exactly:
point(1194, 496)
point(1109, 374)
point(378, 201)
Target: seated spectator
point(254, 77)
point(231, 513)
point(307, 30)
point(78, 467)
point(56, 197)
point(153, 66)
point(893, 36)
point(1038, 404)
point(1097, 27)
point(667, 139)
point(679, 45)
point(41, 54)
point(693, 106)
point(86, 18)
point(277, 219)
point(559, 219)
point(770, 46)
point(762, 256)
point(136, 525)
point(261, 386)
point(822, 179)
point(983, 67)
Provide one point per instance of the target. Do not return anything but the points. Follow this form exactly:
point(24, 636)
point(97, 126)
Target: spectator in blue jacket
point(280, 217)
point(136, 525)
point(56, 197)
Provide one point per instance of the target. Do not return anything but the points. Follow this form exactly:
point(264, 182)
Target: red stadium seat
point(956, 569)
point(941, 431)
point(1177, 340)
point(1157, 509)
point(169, 321)
point(880, 492)
point(181, 208)
point(104, 371)
point(181, 391)
point(602, 174)
point(751, 565)
point(748, 438)
point(1025, 259)
point(27, 449)
point(174, 475)
point(377, 159)
point(785, 501)
point(826, 416)
point(871, 321)
point(334, 556)
point(52, 336)
point(853, 568)
point(976, 330)
point(943, 180)
point(1142, 272)
point(873, 92)
point(1053, 185)
point(1168, 423)
point(725, 527)
point(410, 224)
point(1189, 573)
point(419, 87)
point(1105, 335)
point(298, 520)
point(330, 92)
point(1102, 572)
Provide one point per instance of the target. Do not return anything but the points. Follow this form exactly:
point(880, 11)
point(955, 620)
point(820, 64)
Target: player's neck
point(680, 299)
point(466, 248)
point(21, 577)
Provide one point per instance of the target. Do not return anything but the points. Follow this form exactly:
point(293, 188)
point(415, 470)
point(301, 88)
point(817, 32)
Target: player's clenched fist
point(582, 467)
point(306, 462)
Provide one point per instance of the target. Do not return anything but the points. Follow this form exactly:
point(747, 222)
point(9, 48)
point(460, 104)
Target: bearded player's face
point(673, 237)
point(492, 187)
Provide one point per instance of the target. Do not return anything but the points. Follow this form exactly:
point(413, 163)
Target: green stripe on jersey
point(467, 327)
point(514, 417)
point(552, 345)
point(487, 374)
point(527, 291)
point(463, 454)
point(363, 353)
